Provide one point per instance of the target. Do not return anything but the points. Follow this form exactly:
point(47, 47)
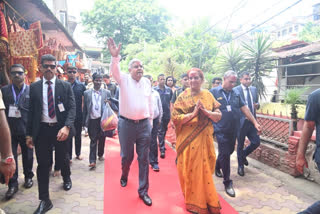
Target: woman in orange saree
point(193, 113)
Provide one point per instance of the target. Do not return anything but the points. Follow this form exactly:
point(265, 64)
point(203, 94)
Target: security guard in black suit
point(16, 100)
point(50, 119)
point(227, 128)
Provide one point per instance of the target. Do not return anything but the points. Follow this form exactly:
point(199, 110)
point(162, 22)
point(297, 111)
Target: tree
point(257, 60)
point(193, 47)
point(155, 59)
point(128, 22)
point(310, 32)
point(293, 97)
point(231, 58)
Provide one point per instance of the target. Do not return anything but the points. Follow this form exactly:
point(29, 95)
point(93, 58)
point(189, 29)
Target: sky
point(244, 13)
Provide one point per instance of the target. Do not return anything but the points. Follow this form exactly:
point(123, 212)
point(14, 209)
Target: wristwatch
point(7, 160)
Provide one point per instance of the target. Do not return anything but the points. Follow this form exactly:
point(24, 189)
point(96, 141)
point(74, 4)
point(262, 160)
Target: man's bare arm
point(307, 131)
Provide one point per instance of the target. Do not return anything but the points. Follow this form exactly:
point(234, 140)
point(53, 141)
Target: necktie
point(249, 100)
point(51, 111)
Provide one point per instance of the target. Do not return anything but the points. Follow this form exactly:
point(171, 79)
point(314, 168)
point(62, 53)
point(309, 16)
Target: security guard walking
point(227, 128)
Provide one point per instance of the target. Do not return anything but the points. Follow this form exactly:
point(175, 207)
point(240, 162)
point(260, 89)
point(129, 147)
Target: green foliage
point(177, 53)
point(231, 58)
point(193, 47)
point(128, 22)
point(293, 97)
point(156, 60)
point(310, 32)
point(257, 60)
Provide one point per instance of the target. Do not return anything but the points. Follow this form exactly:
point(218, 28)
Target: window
point(279, 33)
point(296, 28)
point(316, 17)
point(290, 30)
point(63, 18)
point(284, 32)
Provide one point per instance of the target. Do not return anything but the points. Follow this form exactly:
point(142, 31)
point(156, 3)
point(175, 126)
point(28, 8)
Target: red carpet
point(164, 188)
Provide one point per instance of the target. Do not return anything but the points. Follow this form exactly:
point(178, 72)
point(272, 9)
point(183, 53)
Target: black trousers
point(46, 139)
point(162, 133)
point(27, 158)
point(226, 144)
point(77, 139)
point(97, 138)
point(153, 154)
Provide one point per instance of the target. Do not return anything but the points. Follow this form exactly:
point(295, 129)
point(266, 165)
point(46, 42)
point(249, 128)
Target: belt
point(49, 124)
point(133, 121)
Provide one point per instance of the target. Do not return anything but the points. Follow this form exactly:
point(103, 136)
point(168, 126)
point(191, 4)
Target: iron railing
point(275, 130)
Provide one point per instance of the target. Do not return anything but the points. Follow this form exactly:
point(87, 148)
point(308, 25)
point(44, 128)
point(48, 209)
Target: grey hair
point(229, 74)
point(133, 61)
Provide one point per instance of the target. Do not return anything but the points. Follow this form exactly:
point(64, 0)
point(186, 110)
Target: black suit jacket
point(255, 98)
point(17, 125)
point(63, 94)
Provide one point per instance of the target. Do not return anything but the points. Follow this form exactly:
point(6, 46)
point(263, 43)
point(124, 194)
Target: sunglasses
point(13, 73)
point(72, 72)
point(49, 66)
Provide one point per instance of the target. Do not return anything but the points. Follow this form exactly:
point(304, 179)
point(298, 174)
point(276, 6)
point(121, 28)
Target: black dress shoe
point(218, 173)
point(241, 170)
point(245, 162)
point(28, 183)
point(230, 191)
point(43, 207)
point(162, 155)
point(67, 185)
point(146, 199)
point(123, 181)
point(11, 191)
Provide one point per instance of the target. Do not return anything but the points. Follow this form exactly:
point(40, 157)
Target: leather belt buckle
point(136, 121)
point(51, 124)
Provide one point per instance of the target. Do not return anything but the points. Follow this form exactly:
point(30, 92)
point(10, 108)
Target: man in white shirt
point(136, 116)
point(157, 116)
point(249, 94)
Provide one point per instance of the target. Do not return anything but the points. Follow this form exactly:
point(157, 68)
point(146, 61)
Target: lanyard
point(226, 97)
point(15, 97)
point(73, 85)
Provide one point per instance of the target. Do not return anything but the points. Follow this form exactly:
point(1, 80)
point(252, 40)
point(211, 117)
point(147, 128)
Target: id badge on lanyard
point(229, 109)
point(14, 111)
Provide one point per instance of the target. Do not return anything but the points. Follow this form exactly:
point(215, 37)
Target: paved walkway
point(263, 190)
point(86, 195)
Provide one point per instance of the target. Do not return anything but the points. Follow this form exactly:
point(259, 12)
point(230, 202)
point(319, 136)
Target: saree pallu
point(29, 63)
point(195, 153)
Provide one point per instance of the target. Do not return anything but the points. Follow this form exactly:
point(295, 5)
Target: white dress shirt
point(244, 88)
point(135, 99)
point(96, 104)
point(45, 114)
point(156, 105)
